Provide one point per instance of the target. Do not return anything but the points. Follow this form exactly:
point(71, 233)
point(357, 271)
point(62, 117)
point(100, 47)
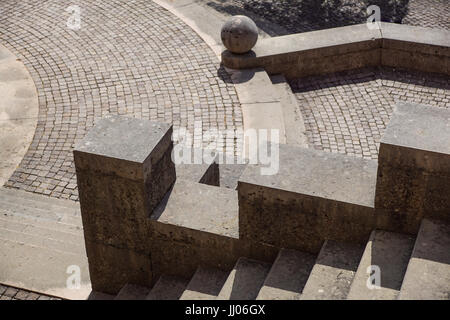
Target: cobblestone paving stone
point(130, 58)
point(307, 15)
point(11, 293)
point(348, 112)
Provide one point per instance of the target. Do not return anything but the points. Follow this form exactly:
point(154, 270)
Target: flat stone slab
point(428, 273)
point(390, 252)
point(245, 280)
point(319, 174)
point(200, 207)
point(205, 284)
point(358, 35)
point(406, 37)
point(419, 127)
point(124, 138)
point(168, 288)
point(287, 276)
point(333, 272)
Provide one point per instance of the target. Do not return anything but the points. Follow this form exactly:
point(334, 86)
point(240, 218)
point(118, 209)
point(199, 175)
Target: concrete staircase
point(40, 237)
point(410, 269)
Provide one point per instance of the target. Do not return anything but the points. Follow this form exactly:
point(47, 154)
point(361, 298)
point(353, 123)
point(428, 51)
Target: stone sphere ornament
point(239, 34)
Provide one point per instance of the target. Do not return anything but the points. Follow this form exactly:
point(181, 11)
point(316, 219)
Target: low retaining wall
point(346, 48)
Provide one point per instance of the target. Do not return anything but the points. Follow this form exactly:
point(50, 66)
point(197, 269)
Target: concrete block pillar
point(413, 179)
point(124, 169)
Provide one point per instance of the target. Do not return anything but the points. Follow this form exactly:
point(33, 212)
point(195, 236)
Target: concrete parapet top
point(123, 138)
point(419, 127)
point(319, 174)
point(391, 44)
point(418, 35)
point(200, 207)
point(316, 40)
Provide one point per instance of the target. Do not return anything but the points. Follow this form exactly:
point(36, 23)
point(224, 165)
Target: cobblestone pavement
point(307, 15)
point(11, 293)
point(347, 112)
point(130, 58)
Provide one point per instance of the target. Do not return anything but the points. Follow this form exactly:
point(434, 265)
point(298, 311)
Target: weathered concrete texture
point(390, 252)
point(415, 48)
point(428, 273)
point(194, 168)
point(245, 280)
point(333, 272)
point(168, 288)
point(188, 230)
point(311, 53)
point(205, 284)
point(124, 169)
point(346, 48)
point(18, 112)
point(287, 276)
point(414, 168)
point(314, 196)
point(132, 292)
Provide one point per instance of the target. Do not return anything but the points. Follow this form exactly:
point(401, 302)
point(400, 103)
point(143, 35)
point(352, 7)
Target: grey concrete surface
point(18, 112)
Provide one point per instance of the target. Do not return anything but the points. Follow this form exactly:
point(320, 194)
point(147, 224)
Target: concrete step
point(41, 201)
point(58, 216)
point(132, 292)
point(428, 274)
point(287, 276)
point(43, 269)
point(390, 252)
point(168, 288)
point(229, 174)
point(46, 223)
point(205, 284)
point(38, 241)
point(245, 280)
point(28, 227)
point(95, 295)
point(333, 271)
point(194, 168)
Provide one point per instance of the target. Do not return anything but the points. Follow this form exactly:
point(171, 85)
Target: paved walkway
point(130, 58)
point(11, 293)
point(348, 112)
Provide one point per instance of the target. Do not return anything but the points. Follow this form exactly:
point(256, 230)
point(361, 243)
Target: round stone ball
point(239, 34)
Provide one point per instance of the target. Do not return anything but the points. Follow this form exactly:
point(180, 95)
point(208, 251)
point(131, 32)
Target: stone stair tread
point(40, 213)
point(391, 253)
point(245, 280)
point(205, 284)
point(287, 276)
point(39, 200)
point(333, 271)
point(132, 292)
point(42, 242)
point(428, 274)
point(42, 269)
point(96, 295)
point(29, 228)
point(41, 222)
point(168, 288)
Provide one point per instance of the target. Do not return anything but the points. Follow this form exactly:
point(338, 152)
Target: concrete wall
point(346, 48)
